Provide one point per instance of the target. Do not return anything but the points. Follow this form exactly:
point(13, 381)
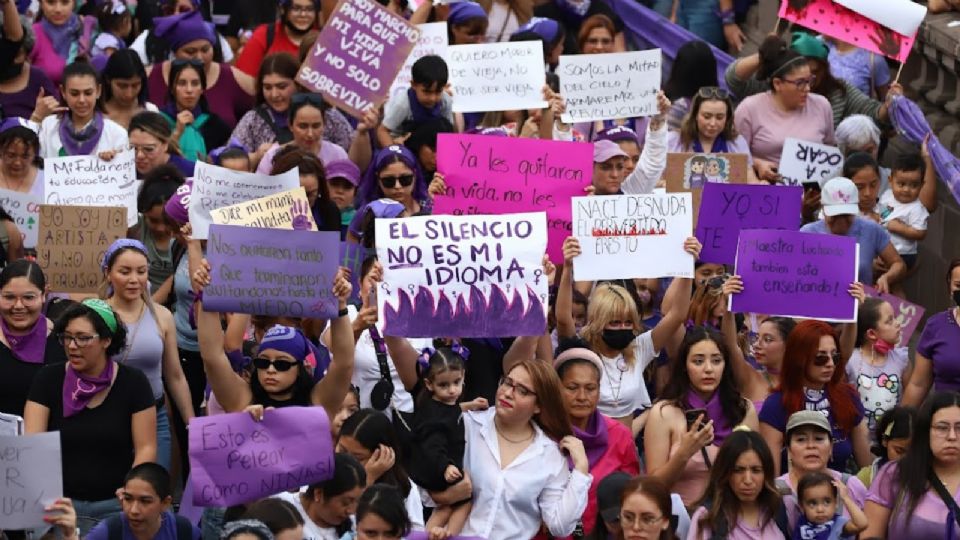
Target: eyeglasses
point(304, 97)
point(146, 149)
point(26, 299)
point(822, 359)
point(517, 388)
point(80, 341)
point(943, 430)
point(181, 62)
point(802, 83)
point(279, 365)
point(643, 520)
point(712, 92)
point(390, 182)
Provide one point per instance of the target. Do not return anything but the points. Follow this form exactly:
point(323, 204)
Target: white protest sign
point(467, 276)
point(90, 181)
point(433, 40)
point(33, 478)
point(633, 236)
point(610, 86)
point(497, 76)
point(215, 187)
point(24, 208)
point(804, 162)
point(288, 210)
point(901, 16)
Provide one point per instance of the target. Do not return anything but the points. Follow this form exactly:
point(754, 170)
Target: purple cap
point(16, 121)
point(604, 150)
point(546, 28)
point(177, 205)
point(617, 134)
point(343, 168)
point(183, 28)
point(462, 12)
point(385, 208)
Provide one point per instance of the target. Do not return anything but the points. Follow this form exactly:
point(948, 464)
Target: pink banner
point(906, 313)
point(836, 21)
point(507, 175)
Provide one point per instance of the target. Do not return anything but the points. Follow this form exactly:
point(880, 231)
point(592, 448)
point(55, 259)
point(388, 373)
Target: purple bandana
point(719, 146)
point(721, 427)
point(28, 347)
point(595, 438)
point(83, 142)
point(62, 36)
point(79, 389)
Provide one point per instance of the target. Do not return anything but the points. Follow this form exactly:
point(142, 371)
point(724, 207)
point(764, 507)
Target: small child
point(892, 440)
point(425, 99)
point(116, 23)
point(821, 518)
point(233, 156)
point(437, 438)
point(900, 209)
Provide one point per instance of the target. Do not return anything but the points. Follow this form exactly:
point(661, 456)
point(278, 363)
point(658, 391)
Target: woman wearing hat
point(62, 37)
point(548, 31)
point(343, 177)
point(104, 411)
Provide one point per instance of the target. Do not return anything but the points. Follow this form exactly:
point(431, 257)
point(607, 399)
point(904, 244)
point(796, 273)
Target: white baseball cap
point(839, 196)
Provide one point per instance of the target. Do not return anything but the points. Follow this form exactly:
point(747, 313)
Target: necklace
point(508, 439)
point(614, 391)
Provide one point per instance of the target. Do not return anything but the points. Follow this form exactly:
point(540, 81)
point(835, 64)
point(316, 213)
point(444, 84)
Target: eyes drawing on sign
point(703, 168)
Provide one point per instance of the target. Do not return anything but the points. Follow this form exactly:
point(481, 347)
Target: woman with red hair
point(812, 379)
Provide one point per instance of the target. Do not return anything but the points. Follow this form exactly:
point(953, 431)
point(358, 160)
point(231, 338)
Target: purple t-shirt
point(940, 343)
point(774, 414)
point(871, 237)
point(23, 102)
point(168, 529)
point(928, 520)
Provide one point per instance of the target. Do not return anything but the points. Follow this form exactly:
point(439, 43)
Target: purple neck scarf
point(280, 120)
point(420, 113)
point(721, 427)
point(28, 347)
point(594, 438)
point(83, 142)
point(79, 389)
point(719, 145)
point(63, 36)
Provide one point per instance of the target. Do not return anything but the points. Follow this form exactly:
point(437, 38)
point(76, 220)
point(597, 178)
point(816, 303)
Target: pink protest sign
point(358, 55)
point(508, 175)
point(906, 313)
point(832, 19)
point(235, 459)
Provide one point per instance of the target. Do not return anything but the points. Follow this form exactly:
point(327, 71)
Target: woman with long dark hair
point(694, 68)
point(196, 129)
point(646, 508)
point(124, 88)
point(268, 122)
point(327, 506)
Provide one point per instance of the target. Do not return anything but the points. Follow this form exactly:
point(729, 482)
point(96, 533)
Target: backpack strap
point(114, 528)
point(781, 520)
point(184, 528)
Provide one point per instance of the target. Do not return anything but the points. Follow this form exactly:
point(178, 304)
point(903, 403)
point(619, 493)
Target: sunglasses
point(713, 92)
point(279, 365)
point(822, 359)
point(304, 97)
point(390, 182)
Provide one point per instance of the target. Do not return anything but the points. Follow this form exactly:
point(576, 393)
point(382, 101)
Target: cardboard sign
point(90, 181)
point(24, 208)
point(610, 86)
point(504, 175)
point(272, 272)
point(726, 209)
point(619, 234)
point(688, 172)
point(215, 187)
point(803, 162)
point(433, 40)
point(72, 242)
point(464, 276)
point(795, 274)
point(832, 19)
point(288, 210)
point(907, 313)
point(357, 55)
point(235, 459)
point(33, 478)
point(901, 16)
point(497, 76)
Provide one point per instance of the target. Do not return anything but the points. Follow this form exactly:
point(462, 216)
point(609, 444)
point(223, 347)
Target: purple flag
point(726, 209)
point(272, 272)
point(795, 274)
point(907, 314)
point(235, 459)
point(910, 122)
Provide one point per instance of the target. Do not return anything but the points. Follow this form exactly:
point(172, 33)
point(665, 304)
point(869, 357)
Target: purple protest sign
point(272, 272)
point(726, 209)
point(906, 313)
point(235, 459)
point(795, 274)
point(506, 175)
point(358, 55)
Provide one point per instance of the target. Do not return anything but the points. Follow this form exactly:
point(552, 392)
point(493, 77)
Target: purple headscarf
point(370, 188)
point(547, 29)
point(462, 12)
point(183, 28)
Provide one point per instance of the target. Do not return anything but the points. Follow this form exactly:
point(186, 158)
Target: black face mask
point(8, 52)
point(618, 340)
point(956, 297)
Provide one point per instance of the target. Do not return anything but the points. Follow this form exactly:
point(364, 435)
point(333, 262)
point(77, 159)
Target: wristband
point(342, 313)
point(727, 16)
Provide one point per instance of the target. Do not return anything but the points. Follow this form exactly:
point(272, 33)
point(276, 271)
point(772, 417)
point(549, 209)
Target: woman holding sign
point(105, 412)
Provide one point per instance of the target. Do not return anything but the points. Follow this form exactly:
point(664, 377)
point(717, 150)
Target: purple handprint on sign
point(300, 213)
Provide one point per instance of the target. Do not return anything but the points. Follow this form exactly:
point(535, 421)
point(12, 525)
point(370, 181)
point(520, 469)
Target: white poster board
point(24, 208)
point(497, 76)
point(633, 236)
point(33, 478)
point(805, 162)
point(90, 181)
point(901, 16)
point(433, 40)
point(610, 86)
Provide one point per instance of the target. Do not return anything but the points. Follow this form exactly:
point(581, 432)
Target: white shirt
point(912, 214)
point(650, 166)
point(311, 531)
point(502, 22)
point(139, 46)
point(510, 504)
point(114, 137)
point(622, 388)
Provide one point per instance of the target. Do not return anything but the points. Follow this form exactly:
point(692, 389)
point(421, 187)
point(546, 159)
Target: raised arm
point(361, 149)
point(566, 327)
point(848, 332)
point(653, 157)
point(333, 387)
point(743, 372)
point(928, 192)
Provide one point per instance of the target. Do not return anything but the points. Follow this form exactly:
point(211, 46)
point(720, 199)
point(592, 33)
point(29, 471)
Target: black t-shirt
point(248, 15)
point(16, 376)
point(485, 368)
point(438, 440)
point(597, 7)
point(97, 444)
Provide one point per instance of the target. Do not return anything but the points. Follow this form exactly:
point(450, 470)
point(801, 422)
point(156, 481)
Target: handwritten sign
point(908, 314)
point(610, 86)
point(272, 272)
point(619, 233)
point(90, 181)
point(72, 242)
point(689, 172)
point(497, 76)
point(795, 274)
point(287, 210)
point(24, 208)
point(215, 187)
point(500, 175)
point(358, 55)
point(33, 478)
point(466, 276)
point(433, 40)
point(902, 16)
point(832, 19)
point(235, 459)
point(803, 162)
point(727, 209)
